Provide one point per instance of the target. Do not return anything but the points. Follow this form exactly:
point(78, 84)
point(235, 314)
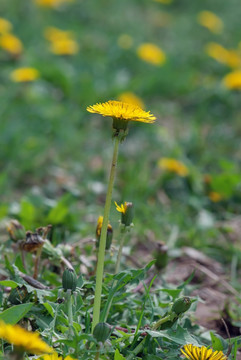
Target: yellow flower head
point(125, 41)
point(232, 80)
point(24, 75)
point(54, 34)
point(26, 340)
point(99, 226)
point(121, 110)
point(228, 57)
point(130, 98)
point(151, 54)
point(5, 26)
point(174, 166)
point(51, 3)
point(215, 196)
point(11, 44)
point(211, 21)
point(192, 352)
point(121, 208)
point(64, 47)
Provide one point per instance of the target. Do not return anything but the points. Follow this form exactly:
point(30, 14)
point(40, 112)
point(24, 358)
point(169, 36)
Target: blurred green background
point(55, 156)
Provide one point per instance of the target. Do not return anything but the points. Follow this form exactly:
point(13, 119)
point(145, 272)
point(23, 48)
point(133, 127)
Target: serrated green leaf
point(9, 283)
point(217, 343)
point(15, 313)
point(49, 308)
point(118, 356)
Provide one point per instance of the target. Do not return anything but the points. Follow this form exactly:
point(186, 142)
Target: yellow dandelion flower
point(130, 98)
point(121, 110)
point(99, 226)
point(64, 47)
point(54, 34)
point(109, 234)
point(24, 74)
point(26, 340)
point(165, 2)
point(51, 3)
point(174, 166)
point(232, 80)
point(125, 41)
point(151, 54)
point(211, 21)
point(192, 352)
point(5, 26)
point(11, 44)
point(219, 53)
point(215, 196)
point(121, 208)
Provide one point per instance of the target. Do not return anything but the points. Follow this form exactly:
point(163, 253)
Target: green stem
point(117, 268)
point(70, 313)
point(101, 253)
point(161, 321)
point(97, 355)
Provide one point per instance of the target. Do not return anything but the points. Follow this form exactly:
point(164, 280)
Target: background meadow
point(179, 59)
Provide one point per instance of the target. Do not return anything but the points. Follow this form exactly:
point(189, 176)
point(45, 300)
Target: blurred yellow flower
point(61, 42)
point(26, 340)
point(174, 166)
point(228, 57)
point(54, 34)
point(151, 53)
point(64, 47)
point(121, 110)
point(11, 44)
point(55, 356)
point(99, 226)
point(5, 26)
point(211, 21)
point(130, 98)
point(166, 2)
point(215, 196)
point(125, 41)
point(24, 74)
point(233, 80)
point(121, 208)
point(51, 3)
point(192, 352)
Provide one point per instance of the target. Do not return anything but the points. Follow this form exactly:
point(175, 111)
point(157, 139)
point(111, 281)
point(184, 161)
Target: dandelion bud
point(181, 305)
point(16, 230)
point(127, 212)
point(69, 280)
point(102, 332)
point(109, 234)
point(161, 255)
